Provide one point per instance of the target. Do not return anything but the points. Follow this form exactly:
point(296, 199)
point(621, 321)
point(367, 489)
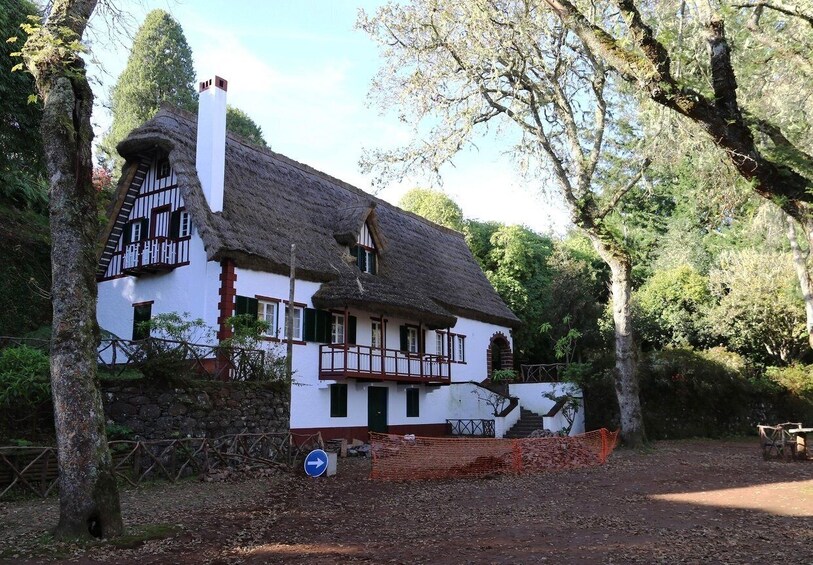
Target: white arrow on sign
point(318, 463)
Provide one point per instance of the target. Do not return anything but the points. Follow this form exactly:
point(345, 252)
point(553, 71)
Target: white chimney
point(210, 159)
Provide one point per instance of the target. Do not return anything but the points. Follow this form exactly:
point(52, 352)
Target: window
point(136, 229)
point(338, 400)
point(267, 312)
point(297, 323)
point(337, 329)
point(375, 335)
point(162, 170)
point(142, 313)
point(440, 343)
point(412, 403)
point(460, 354)
point(185, 225)
point(364, 251)
point(412, 339)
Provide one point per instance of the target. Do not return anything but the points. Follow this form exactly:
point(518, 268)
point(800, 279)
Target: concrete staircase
point(528, 422)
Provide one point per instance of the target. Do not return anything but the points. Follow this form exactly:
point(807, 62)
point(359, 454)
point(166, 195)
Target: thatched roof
point(425, 271)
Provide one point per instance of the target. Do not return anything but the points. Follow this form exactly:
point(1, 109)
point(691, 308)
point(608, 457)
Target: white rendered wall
point(531, 398)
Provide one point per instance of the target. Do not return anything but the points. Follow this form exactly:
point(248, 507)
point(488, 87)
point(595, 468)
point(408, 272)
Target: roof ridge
point(185, 114)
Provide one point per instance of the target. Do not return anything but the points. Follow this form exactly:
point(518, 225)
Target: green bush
point(24, 377)
point(503, 375)
point(798, 379)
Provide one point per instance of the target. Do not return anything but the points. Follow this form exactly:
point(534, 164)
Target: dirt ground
point(678, 502)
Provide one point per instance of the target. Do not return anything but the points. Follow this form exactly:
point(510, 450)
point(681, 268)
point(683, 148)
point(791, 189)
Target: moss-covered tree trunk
point(627, 390)
point(88, 496)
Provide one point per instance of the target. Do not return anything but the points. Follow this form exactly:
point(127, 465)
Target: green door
point(377, 409)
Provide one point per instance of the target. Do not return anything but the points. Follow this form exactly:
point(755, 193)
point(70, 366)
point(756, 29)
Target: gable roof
point(425, 271)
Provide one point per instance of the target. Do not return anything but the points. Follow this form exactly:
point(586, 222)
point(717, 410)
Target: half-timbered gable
point(152, 227)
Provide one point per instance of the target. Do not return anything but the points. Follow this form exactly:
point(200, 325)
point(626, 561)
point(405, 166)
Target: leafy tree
point(88, 495)
point(240, 123)
point(671, 306)
point(759, 312)
point(434, 206)
point(743, 94)
point(460, 66)
point(158, 70)
point(22, 168)
point(478, 237)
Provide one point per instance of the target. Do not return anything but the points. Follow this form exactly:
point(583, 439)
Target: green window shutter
point(422, 341)
point(338, 400)
point(309, 325)
point(127, 234)
point(361, 260)
point(351, 330)
point(245, 305)
point(322, 326)
point(412, 403)
point(404, 340)
point(373, 264)
point(141, 314)
point(175, 224)
point(145, 229)
point(354, 251)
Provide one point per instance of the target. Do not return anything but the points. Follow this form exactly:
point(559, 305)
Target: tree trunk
point(88, 496)
point(802, 270)
point(626, 370)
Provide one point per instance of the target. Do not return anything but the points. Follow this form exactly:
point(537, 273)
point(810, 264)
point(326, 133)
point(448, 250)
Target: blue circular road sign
point(316, 463)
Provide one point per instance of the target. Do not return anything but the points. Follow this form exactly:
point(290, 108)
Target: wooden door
point(377, 409)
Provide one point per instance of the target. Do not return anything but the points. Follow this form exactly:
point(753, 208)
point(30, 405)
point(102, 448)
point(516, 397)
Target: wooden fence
point(35, 470)
point(541, 373)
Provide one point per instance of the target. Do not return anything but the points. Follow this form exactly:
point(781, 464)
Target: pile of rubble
point(354, 448)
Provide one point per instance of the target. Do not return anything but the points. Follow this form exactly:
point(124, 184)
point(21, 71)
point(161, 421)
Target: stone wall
point(154, 411)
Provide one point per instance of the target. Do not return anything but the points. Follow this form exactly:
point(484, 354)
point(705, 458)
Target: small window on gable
point(365, 252)
point(185, 226)
point(162, 169)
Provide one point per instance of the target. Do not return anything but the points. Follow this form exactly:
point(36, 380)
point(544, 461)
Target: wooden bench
point(776, 441)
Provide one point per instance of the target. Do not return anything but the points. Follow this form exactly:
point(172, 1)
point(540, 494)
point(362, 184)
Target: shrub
point(798, 379)
point(502, 375)
point(168, 356)
point(25, 390)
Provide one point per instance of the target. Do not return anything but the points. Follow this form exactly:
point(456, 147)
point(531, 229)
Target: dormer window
point(162, 169)
point(365, 253)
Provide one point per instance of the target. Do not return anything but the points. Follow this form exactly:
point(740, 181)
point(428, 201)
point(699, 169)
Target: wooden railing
point(207, 361)
point(471, 428)
point(362, 361)
point(153, 255)
point(34, 470)
point(541, 373)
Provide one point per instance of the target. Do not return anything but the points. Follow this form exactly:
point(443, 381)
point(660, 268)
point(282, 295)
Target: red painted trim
point(157, 191)
point(362, 432)
point(266, 298)
point(227, 293)
point(296, 304)
point(145, 303)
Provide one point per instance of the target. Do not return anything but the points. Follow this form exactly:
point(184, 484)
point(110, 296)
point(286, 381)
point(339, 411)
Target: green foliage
point(503, 375)
point(570, 407)
point(22, 166)
point(671, 306)
point(797, 378)
point(259, 363)
point(240, 123)
point(434, 206)
point(166, 358)
point(159, 69)
point(760, 312)
point(24, 378)
point(118, 431)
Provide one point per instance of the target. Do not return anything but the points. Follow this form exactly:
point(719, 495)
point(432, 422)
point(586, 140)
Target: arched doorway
point(499, 355)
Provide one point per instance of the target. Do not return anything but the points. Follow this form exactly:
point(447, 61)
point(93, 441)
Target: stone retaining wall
point(153, 411)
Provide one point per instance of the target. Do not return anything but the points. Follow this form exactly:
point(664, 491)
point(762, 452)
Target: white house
point(391, 310)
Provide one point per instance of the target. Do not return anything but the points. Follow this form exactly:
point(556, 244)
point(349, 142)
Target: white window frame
point(298, 319)
point(412, 339)
point(267, 311)
point(184, 224)
point(337, 329)
point(135, 231)
point(460, 349)
point(376, 341)
point(440, 343)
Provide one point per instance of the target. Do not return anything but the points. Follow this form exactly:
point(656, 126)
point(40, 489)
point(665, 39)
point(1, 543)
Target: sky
point(302, 72)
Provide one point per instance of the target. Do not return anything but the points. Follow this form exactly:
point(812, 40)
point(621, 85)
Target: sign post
point(316, 463)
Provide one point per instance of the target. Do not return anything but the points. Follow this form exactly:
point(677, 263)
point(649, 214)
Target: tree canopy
point(159, 69)
point(434, 206)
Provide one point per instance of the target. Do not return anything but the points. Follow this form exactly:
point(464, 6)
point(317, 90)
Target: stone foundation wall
point(153, 411)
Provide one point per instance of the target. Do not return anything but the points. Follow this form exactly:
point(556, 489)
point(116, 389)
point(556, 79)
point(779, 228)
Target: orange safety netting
point(397, 457)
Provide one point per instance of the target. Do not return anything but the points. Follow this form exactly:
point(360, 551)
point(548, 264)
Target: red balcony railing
point(364, 362)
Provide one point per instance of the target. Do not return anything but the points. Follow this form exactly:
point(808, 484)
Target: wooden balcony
point(154, 255)
point(364, 362)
